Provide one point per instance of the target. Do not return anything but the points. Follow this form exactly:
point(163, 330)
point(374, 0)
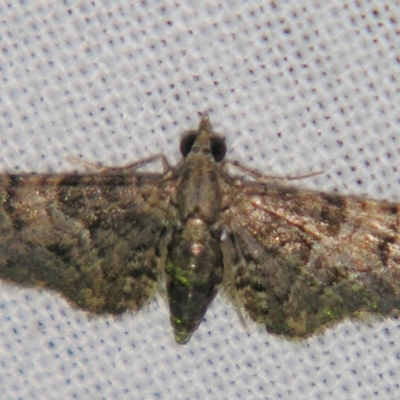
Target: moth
point(295, 261)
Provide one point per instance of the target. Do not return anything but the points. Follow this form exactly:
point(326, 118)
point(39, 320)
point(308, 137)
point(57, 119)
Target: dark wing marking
point(97, 239)
point(300, 261)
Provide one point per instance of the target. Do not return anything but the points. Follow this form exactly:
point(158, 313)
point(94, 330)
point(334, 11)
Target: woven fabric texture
point(295, 87)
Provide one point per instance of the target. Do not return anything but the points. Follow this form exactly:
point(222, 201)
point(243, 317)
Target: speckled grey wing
point(299, 261)
point(96, 239)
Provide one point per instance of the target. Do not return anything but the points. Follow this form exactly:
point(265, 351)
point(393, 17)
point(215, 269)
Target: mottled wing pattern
point(97, 239)
point(300, 261)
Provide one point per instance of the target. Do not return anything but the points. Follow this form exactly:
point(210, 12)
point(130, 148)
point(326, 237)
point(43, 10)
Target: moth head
point(203, 140)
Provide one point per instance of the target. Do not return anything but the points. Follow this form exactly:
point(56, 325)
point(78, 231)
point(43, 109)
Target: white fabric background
point(294, 86)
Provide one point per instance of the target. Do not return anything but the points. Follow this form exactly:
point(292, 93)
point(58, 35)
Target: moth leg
point(125, 169)
point(267, 178)
point(88, 165)
point(130, 168)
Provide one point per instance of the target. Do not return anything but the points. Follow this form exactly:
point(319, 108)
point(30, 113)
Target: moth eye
point(187, 143)
point(218, 148)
